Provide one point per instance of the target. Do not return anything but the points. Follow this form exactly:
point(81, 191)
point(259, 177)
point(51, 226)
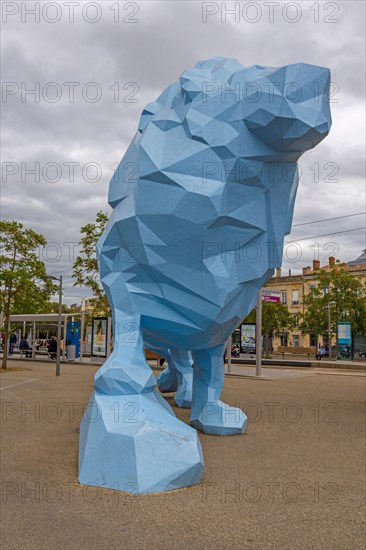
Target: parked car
point(362, 354)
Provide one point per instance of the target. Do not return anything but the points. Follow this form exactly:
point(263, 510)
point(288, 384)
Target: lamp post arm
point(58, 358)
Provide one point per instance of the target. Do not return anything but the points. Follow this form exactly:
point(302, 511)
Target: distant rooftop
point(357, 266)
point(360, 260)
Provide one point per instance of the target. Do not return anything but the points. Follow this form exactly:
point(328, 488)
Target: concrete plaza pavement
point(294, 481)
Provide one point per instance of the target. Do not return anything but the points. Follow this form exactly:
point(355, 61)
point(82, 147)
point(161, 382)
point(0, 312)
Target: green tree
point(85, 267)
point(346, 296)
point(275, 319)
point(23, 279)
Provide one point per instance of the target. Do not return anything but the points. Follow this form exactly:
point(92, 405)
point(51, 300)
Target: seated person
point(321, 353)
point(23, 345)
point(52, 348)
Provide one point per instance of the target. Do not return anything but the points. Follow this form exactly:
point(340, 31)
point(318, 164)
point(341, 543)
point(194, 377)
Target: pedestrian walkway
point(281, 372)
point(294, 481)
point(271, 369)
point(267, 373)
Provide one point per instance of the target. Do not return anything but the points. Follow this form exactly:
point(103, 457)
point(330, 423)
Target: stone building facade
point(294, 289)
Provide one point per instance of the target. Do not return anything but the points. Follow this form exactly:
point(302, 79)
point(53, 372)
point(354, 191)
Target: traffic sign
point(271, 296)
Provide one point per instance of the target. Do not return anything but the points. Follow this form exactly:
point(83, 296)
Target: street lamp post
point(228, 353)
point(82, 327)
point(58, 358)
point(258, 336)
point(329, 331)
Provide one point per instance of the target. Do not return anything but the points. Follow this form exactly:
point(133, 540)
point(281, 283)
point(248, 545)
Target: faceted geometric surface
point(178, 376)
point(202, 201)
point(133, 444)
point(217, 418)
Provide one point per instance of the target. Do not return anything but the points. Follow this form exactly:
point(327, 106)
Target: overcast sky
point(94, 65)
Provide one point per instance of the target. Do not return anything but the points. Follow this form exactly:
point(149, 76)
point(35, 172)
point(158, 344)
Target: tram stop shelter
point(44, 321)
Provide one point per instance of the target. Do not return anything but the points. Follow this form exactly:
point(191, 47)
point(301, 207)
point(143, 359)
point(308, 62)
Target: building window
point(284, 297)
point(296, 340)
point(325, 290)
point(296, 320)
point(295, 297)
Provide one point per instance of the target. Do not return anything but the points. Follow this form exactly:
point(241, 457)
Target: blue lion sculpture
point(202, 201)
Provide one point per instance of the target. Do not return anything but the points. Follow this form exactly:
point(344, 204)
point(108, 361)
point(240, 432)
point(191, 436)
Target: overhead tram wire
point(329, 219)
point(325, 235)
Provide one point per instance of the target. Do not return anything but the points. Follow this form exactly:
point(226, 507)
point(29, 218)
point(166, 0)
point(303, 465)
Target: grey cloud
point(169, 37)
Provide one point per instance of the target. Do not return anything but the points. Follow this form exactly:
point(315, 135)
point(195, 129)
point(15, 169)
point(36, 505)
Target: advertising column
point(247, 338)
point(344, 331)
point(99, 337)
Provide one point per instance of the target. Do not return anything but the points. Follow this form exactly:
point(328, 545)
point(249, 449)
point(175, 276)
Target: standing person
point(52, 348)
point(23, 345)
point(62, 346)
point(12, 341)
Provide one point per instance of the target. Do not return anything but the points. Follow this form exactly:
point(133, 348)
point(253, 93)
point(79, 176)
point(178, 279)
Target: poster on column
point(247, 338)
point(99, 336)
point(344, 337)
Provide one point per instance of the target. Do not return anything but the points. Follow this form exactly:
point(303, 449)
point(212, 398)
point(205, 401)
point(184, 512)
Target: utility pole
point(58, 359)
point(59, 321)
point(329, 332)
point(258, 336)
point(82, 327)
point(228, 353)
